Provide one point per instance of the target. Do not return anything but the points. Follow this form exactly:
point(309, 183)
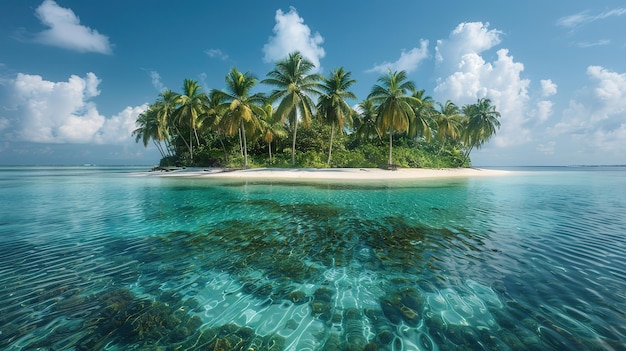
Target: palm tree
point(424, 111)
point(294, 87)
point(212, 117)
point(165, 108)
point(148, 128)
point(241, 108)
point(395, 109)
point(367, 120)
point(191, 105)
point(448, 122)
point(481, 124)
point(332, 104)
point(271, 128)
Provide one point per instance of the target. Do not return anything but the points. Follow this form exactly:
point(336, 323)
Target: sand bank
point(333, 173)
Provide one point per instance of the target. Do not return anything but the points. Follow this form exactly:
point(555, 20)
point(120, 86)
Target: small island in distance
point(396, 126)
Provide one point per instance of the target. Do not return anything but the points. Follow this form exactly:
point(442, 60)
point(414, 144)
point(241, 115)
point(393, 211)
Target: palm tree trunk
point(269, 149)
point(185, 141)
point(195, 131)
point(380, 138)
point(219, 136)
point(390, 148)
point(158, 146)
point(245, 146)
point(293, 145)
point(330, 147)
point(466, 155)
point(191, 145)
point(240, 143)
point(168, 146)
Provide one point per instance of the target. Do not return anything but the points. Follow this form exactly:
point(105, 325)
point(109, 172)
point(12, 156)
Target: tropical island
point(306, 122)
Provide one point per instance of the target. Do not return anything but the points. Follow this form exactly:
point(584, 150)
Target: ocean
point(109, 258)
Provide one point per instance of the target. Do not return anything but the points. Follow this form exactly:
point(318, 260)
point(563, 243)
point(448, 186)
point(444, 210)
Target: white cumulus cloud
point(548, 88)
point(408, 61)
point(467, 38)
point(65, 31)
point(465, 76)
point(291, 34)
point(118, 128)
point(596, 119)
point(62, 112)
point(610, 88)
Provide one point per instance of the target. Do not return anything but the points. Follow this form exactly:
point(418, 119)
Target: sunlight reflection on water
point(96, 259)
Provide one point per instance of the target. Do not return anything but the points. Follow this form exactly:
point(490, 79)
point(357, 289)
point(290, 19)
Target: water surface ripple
point(105, 259)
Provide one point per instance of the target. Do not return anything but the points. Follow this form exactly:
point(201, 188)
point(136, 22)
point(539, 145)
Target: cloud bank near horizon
point(63, 112)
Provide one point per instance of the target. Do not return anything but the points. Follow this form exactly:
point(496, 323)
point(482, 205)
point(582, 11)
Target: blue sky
point(75, 74)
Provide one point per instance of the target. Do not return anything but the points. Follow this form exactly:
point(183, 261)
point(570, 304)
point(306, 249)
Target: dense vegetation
point(306, 121)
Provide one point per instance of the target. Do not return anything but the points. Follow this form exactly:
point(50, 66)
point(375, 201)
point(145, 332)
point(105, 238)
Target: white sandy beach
point(333, 173)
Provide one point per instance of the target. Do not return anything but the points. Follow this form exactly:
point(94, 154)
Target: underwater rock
point(281, 288)
point(321, 306)
point(264, 290)
point(332, 343)
point(385, 337)
point(297, 297)
point(323, 294)
point(409, 315)
point(412, 298)
point(248, 288)
point(455, 334)
point(491, 340)
point(233, 337)
point(220, 344)
point(353, 328)
point(377, 317)
point(511, 340)
point(321, 310)
point(194, 323)
point(390, 310)
point(179, 334)
point(291, 324)
point(351, 313)
point(382, 329)
point(245, 332)
point(503, 319)
point(140, 324)
point(371, 347)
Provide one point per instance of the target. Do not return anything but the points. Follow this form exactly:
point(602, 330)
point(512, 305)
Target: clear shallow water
point(101, 258)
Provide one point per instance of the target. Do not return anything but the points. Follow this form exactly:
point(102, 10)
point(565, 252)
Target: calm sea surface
point(104, 258)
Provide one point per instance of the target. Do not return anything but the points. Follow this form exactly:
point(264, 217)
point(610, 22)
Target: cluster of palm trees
point(394, 106)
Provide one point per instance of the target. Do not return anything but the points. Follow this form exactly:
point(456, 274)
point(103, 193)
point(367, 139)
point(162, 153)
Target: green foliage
point(311, 159)
point(313, 138)
point(235, 128)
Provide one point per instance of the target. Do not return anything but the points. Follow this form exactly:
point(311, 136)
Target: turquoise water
point(113, 259)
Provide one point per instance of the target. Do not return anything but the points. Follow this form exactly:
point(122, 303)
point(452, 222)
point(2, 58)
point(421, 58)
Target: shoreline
point(312, 174)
